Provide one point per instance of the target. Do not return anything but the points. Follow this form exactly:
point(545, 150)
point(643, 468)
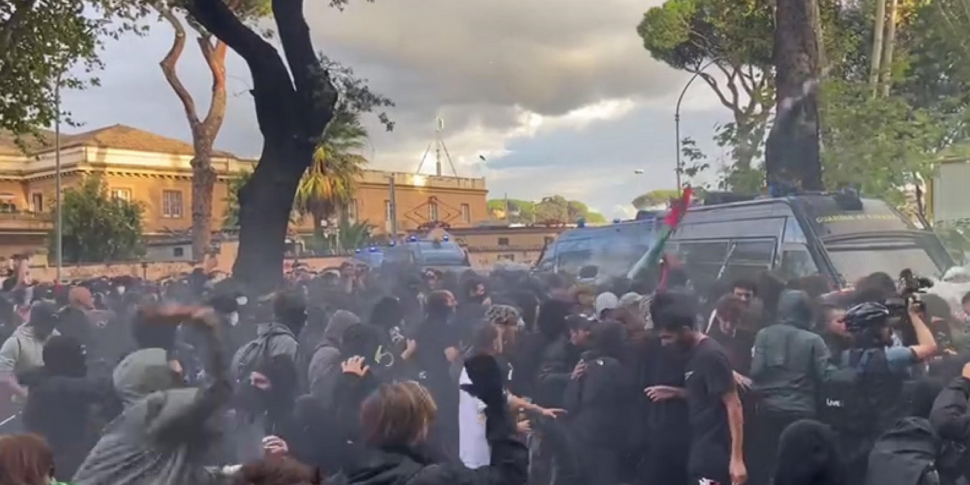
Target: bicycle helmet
point(865, 315)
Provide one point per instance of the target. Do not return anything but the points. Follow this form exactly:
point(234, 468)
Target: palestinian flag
point(678, 209)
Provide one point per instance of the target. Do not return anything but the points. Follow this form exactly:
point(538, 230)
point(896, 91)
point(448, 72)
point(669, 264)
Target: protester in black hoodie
point(598, 399)
point(60, 403)
point(560, 360)
point(396, 420)
point(808, 455)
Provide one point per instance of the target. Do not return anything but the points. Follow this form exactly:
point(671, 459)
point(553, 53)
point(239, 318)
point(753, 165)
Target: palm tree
point(331, 180)
point(353, 235)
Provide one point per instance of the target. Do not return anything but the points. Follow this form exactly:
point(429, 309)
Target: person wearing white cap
point(606, 303)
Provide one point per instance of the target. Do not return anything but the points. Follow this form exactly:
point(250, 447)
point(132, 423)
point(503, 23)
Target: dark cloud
point(487, 67)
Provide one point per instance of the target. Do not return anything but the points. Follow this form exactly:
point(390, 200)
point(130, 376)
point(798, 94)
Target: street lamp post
point(690, 81)
point(59, 224)
point(639, 172)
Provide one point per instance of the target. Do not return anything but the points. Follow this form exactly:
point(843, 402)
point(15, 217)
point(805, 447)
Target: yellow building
point(156, 171)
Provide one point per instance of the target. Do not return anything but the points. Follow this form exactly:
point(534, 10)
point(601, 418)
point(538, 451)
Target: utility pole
point(59, 223)
point(392, 202)
point(439, 125)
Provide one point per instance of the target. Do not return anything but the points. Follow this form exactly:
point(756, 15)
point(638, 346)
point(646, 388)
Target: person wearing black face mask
point(437, 343)
point(61, 398)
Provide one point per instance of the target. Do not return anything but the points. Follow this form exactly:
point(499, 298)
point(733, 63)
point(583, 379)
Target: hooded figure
point(808, 455)
point(60, 402)
point(324, 370)
point(789, 364)
point(166, 430)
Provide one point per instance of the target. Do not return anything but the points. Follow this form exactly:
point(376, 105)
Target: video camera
point(910, 289)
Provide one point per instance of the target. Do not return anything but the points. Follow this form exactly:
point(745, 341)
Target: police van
point(839, 235)
point(611, 248)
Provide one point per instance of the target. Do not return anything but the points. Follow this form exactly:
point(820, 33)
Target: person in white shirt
point(493, 339)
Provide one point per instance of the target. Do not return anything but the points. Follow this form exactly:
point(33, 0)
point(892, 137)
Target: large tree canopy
point(40, 43)
point(730, 36)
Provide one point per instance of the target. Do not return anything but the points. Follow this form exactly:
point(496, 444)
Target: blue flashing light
point(581, 222)
point(444, 238)
point(372, 249)
point(392, 243)
point(616, 221)
point(357, 251)
point(413, 239)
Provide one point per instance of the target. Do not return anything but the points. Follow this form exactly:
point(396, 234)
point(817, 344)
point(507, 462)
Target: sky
point(540, 97)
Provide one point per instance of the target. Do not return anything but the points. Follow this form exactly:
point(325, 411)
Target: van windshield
point(855, 260)
point(876, 238)
point(613, 250)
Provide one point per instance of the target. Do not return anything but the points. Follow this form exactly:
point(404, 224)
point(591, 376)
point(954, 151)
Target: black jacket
point(558, 362)
point(599, 402)
point(509, 462)
point(62, 410)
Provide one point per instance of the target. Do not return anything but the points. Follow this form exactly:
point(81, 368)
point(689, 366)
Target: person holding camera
point(862, 398)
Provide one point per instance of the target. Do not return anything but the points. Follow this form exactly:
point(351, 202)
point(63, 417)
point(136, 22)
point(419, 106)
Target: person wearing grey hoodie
point(324, 371)
point(166, 429)
point(789, 365)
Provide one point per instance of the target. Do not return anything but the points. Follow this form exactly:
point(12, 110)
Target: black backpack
point(906, 454)
point(846, 398)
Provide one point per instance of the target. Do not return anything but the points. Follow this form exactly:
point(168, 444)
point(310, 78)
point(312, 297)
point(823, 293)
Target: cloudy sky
point(558, 96)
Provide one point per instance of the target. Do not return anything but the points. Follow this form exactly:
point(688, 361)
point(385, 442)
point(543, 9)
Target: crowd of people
point(410, 376)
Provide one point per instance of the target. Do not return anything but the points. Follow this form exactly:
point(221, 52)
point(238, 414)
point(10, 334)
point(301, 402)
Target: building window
point(432, 211)
point(37, 202)
point(466, 213)
point(503, 241)
point(121, 194)
point(352, 210)
point(172, 204)
point(178, 252)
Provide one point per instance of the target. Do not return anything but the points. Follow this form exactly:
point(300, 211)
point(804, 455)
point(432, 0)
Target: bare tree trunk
point(792, 152)
point(291, 111)
point(886, 69)
point(876, 55)
point(204, 132)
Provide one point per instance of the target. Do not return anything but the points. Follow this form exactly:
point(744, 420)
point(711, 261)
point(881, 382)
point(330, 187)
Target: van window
point(797, 262)
point(702, 259)
point(794, 232)
point(748, 259)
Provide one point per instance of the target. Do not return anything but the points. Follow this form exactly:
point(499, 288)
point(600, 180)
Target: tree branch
point(717, 90)
point(215, 57)
point(313, 83)
point(273, 91)
point(170, 62)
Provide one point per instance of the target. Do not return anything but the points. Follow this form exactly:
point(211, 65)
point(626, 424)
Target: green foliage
point(655, 198)
point(353, 235)
point(43, 44)
point(557, 210)
point(230, 219)
point(732, 36)
point(513, 210)
point(877, 145)
point(550, 210)
point(97, 227)
point(331, 180)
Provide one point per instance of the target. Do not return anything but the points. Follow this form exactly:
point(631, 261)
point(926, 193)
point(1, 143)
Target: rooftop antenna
point(439, 147)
